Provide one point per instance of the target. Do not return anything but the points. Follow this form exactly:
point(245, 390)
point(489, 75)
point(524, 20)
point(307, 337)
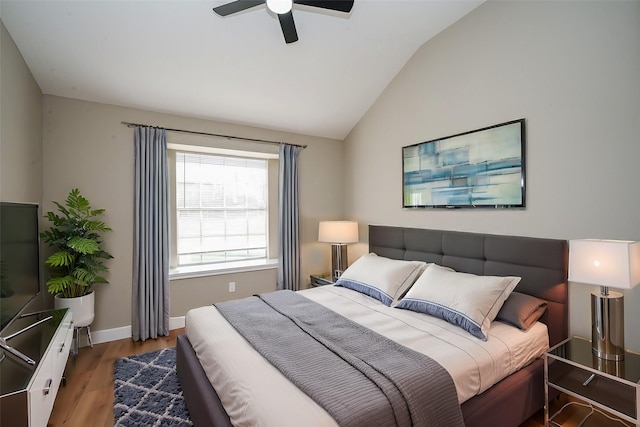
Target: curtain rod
point(262, 141)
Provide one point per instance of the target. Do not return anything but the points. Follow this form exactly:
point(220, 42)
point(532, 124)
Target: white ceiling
point(180, 57)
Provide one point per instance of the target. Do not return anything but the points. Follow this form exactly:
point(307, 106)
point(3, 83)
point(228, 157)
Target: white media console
point(28, 391)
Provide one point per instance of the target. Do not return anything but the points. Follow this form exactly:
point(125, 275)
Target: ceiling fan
point(283, 9)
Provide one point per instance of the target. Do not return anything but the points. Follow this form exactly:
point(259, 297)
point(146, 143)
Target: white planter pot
point(81, 307)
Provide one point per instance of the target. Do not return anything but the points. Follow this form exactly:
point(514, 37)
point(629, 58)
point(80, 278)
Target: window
point(221, 208)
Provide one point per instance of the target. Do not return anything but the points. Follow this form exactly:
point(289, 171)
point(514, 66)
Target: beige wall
point(20, 127)
point(86, 146)
point(20, 134)
point(569, 68)
point(572, 70)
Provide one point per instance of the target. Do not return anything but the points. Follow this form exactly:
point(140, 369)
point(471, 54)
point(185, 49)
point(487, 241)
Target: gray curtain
point(150, 303)
point(288, 219)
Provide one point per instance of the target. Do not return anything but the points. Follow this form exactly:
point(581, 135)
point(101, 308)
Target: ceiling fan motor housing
point(283, 9)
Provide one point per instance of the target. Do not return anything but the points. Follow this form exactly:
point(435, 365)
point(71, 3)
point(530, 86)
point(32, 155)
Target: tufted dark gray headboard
point(542, 263)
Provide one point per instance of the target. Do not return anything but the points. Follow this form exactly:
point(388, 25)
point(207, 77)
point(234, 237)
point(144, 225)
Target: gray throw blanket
point(358, 376)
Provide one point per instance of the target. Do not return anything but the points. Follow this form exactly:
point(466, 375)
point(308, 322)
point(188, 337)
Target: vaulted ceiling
point(179, 57)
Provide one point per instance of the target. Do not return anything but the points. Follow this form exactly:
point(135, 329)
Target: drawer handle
point(586, 383)
point(47, 387)
point(61, 348)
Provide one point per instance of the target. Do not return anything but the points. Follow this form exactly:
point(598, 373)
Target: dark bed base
point(506, 404)
point(205, 408)
point(204, 404)
point(542, 264)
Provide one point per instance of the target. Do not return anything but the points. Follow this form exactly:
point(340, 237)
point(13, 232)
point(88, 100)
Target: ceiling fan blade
point(288, 27)
point(236, 6)
point(339, 5)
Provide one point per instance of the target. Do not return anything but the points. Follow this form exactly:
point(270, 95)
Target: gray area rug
point(147, 391)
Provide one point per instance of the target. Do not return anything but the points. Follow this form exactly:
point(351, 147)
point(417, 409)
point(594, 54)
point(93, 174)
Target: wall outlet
point(232, 286)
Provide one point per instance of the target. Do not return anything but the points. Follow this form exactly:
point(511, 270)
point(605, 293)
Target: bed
point(540, 263)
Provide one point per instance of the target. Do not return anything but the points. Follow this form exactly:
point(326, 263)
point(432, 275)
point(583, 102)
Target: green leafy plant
point(78, 262)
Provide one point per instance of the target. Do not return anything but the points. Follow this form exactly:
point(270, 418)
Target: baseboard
point(176, 322)
point(107, 335)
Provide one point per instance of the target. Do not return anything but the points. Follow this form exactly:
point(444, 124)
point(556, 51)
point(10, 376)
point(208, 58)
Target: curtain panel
point(288, 219)
point(150, 299)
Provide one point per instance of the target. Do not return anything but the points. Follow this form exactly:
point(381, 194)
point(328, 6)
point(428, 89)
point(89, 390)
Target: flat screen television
point(19, 259)
point(483, 168)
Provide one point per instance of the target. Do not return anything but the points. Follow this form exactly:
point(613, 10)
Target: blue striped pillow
point(462, 299)
point(381, 278)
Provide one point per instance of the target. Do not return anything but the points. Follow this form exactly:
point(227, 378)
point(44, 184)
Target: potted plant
point(78, 262)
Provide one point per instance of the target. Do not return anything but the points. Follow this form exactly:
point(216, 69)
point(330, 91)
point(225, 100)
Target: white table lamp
point(339, 234)
point(607, 263)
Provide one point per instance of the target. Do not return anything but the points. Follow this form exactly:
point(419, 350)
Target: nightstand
point(614, 387)
point(321, 279)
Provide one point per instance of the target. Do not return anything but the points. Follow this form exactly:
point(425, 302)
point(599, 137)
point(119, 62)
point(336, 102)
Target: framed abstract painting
point(483, 168)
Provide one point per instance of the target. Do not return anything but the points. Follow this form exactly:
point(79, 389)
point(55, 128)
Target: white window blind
point(221, 205)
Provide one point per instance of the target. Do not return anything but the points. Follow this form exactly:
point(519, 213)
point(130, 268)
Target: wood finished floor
point(87, 398)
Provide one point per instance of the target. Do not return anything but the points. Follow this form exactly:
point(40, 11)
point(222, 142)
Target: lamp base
point(613, 367)
point(607, 330)
point(338, 260)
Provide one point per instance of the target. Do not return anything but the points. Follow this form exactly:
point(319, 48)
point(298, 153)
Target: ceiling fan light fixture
point(280, 6)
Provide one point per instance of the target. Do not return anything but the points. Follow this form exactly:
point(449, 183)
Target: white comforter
point(253, 392)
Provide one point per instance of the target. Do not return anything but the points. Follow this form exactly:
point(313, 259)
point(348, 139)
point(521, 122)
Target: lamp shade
point(338, 231)
point(611, 263)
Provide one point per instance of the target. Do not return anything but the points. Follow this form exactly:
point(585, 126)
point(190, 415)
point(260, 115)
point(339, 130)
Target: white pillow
point(462, 299)
point(381, 278)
